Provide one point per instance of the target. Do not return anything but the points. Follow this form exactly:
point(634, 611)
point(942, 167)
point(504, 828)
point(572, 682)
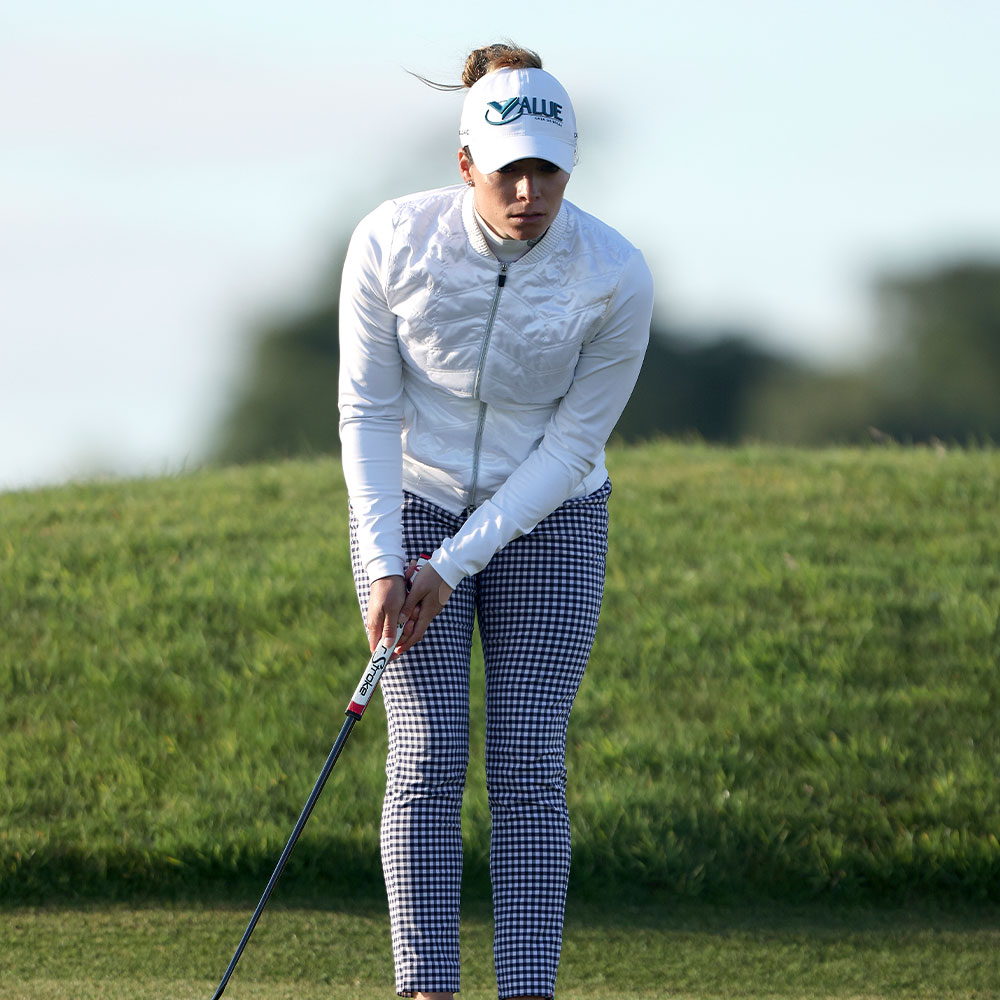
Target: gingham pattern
point(537, 605)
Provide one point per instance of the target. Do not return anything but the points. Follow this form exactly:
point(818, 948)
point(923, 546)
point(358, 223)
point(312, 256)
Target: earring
point(471, 183)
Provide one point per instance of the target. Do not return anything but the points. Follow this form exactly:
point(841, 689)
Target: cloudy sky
point(171, 172)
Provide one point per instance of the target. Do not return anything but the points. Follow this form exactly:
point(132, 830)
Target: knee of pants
point(518, 776)
point(427, 768)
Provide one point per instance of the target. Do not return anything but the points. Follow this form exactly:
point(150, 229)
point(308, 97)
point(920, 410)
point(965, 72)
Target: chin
point(528, 230)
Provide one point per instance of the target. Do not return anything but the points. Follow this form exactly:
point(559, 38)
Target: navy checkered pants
point(536, 604)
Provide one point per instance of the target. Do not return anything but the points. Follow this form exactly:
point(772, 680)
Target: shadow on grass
point(329, 875)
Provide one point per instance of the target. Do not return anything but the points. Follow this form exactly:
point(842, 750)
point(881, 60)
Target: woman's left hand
point(428, 595)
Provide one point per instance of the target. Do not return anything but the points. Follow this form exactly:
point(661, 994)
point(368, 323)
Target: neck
point(504, 249)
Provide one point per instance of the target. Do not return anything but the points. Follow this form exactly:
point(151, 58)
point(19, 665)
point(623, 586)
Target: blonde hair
point(486, 59)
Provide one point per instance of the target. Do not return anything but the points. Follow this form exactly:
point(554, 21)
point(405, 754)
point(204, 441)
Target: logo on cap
point(505, 112)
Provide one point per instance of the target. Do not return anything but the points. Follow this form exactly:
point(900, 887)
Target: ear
point(465, 166)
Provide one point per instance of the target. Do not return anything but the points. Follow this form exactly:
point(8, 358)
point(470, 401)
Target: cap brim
point(523, 147)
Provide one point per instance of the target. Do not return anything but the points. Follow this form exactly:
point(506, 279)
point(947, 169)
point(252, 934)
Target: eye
point(548, 168)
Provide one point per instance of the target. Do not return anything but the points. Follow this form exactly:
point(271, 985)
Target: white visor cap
point(517, 114)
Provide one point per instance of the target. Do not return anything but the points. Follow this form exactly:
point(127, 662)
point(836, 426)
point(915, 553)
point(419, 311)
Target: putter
point(355, 709)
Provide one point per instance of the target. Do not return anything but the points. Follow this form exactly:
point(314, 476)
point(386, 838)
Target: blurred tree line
point(936, 376)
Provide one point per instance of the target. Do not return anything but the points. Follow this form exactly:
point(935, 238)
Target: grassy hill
point(794, 691)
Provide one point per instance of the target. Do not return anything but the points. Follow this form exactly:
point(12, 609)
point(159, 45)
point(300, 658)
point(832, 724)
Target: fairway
point(682, 951)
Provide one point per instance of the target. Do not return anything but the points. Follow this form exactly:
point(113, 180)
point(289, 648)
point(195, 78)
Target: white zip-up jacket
point(478, 385)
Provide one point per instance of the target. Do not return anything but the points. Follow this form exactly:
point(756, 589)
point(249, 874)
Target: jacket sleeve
point(370, 397)
point(574, 440)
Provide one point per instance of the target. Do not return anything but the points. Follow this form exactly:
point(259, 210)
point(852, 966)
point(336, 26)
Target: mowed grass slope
point(794, 692)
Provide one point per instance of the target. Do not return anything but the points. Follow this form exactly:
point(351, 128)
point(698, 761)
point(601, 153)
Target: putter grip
point(377, 664)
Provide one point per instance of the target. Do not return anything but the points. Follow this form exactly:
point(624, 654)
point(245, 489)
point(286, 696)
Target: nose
point(526, 187)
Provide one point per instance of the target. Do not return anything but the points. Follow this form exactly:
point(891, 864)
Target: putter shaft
point(345, 731)
point(355, 709)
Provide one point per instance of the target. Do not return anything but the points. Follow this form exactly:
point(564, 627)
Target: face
point(518, 201)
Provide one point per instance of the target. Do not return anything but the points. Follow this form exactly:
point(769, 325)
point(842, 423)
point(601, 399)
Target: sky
point(173, 173)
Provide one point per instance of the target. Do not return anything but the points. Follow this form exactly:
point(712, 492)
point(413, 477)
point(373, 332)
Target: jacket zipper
point(480, 427)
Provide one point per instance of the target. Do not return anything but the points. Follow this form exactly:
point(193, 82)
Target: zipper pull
point(502, 276)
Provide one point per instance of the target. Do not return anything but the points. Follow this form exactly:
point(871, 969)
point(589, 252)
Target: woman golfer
point(490, 334)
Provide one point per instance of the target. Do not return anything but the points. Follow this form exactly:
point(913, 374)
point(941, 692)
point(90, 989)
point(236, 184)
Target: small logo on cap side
point(512, 109)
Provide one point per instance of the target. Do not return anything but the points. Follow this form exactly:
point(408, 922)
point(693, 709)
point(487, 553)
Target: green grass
point(689, 950)
point(803, 647)
point(793, 694)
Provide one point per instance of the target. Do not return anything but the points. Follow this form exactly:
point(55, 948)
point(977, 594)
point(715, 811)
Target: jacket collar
point(553, 235)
